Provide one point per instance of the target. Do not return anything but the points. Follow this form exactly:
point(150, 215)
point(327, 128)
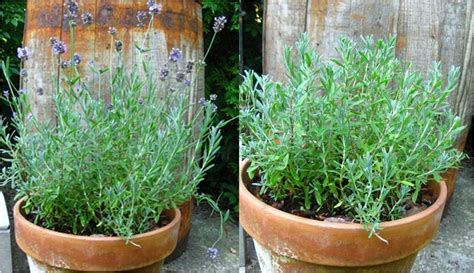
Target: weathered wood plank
point(179, 25)
point(426, 31)
point(284, 21)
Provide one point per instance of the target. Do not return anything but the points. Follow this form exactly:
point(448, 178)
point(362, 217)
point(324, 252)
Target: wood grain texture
point(283, 23)
point(179, 25)
point(426, 31)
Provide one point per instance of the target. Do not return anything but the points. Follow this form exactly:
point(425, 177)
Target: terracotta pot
point(449, 178)
point(289, 243)
point(186, 210)
point(51, 251)
point(450, 175)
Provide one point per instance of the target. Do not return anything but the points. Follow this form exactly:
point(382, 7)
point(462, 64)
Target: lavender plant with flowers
point(111, 166)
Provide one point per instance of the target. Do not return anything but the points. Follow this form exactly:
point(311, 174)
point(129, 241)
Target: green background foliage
point(12, 19)
point(223, 78)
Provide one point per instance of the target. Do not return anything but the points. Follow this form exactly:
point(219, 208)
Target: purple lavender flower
point(202, 101)
point(212, 252)
point(213, 97)
point(86, 18)
point(65, 64)
point(15, 115)
point(163, 73)
point(153, 7)
point(180, 76)
point(141, 16)
point(76, 58)
point(175, 54)
point(58, 46)
point(118, 45)
point(23, 53)
point(112, 31)
point(22, 91)
point(189, 67)
point(72, 9)
point(219, 23)
point(187, 82)
point(6, 94)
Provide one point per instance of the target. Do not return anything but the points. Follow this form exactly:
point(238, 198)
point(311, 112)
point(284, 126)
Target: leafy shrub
point(358, 135)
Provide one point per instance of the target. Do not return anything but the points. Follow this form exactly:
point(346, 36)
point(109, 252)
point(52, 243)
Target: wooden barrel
point(179, 25)
point(426, 31)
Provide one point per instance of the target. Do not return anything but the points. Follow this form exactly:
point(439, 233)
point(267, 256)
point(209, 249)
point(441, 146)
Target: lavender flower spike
point(153, 7)
point(175, 54)
point(212, 252)
point(219, 23)
point(72, 9)
point(23, 53)
point(57, 46)
point(76, 58)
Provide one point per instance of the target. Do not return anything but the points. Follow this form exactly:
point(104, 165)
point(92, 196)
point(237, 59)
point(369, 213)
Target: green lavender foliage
point(358, 135)
point(110, 167)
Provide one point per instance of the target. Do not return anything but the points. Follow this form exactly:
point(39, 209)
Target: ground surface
point(452, 251)
point(204, 231)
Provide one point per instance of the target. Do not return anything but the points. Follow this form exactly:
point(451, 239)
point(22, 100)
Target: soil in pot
point(186, 210)
point(52, 251)
point(297, 244)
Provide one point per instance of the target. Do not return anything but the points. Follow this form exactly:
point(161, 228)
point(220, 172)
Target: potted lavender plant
point(342, 159)
point(99, 191)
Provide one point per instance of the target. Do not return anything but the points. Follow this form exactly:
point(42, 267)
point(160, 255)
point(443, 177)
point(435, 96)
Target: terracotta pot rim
point(440, 200)
point(19, 216)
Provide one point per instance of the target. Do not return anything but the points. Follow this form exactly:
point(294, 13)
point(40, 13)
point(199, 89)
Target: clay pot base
point(270, 261)
point(39, 267)
point(181, 247)
point(186, 210)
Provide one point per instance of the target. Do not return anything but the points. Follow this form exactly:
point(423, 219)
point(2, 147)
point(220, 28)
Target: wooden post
point(179, 25)
point(426, 31)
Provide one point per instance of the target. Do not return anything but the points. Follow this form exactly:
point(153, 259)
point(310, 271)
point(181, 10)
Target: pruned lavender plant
point(358, 135)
